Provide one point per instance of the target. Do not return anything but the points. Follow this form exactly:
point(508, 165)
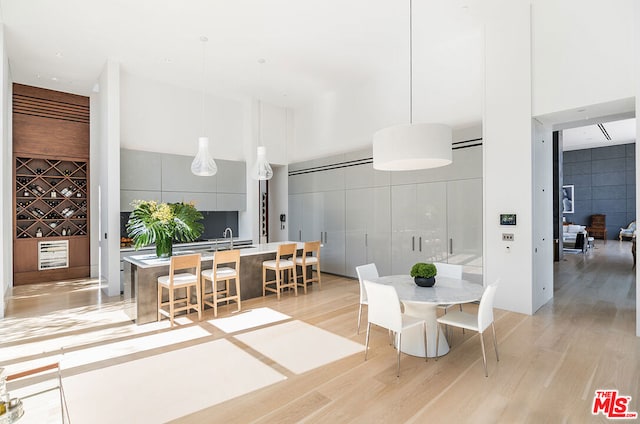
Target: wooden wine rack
point(50, 198)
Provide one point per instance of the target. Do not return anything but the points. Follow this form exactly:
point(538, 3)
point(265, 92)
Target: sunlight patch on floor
point(69, 360)
point(248, 319)
point(167, 386)
point(298, 346)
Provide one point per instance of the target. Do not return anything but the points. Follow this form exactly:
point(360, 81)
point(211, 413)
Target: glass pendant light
point(203, 164)
point(412, 146)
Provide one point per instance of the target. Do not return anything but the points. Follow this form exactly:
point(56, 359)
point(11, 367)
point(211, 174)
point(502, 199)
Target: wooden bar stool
point(183, 280)
point(285, 261)
point(310, 256)
point(220, 278)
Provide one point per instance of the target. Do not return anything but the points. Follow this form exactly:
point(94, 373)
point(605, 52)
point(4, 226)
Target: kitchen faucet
point(230, 233)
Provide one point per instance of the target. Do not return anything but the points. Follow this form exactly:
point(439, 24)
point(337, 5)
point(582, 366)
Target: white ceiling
point(592, 136)
point(311, 47)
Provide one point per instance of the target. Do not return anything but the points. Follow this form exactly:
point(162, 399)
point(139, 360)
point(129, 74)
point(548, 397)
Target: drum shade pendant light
point(412, 146)
point(261, 170)
point(203, 164)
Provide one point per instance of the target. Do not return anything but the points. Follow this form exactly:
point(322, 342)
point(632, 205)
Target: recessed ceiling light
point(54, 78)
point(203, 38)
point(261, 60)
point(38, 75)
point(58, 54)
point(168, 60)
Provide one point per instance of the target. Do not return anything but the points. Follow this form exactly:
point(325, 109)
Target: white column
point(109, 178)
point(637, 69)
point(6, 157)
point(508, 152)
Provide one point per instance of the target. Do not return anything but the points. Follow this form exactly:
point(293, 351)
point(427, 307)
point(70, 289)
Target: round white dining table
point(422, 302)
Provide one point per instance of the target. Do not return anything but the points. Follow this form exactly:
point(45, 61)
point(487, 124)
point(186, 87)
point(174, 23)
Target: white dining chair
point(477, 322)
point(384, 311)
point(451, 271)
point(365, 272)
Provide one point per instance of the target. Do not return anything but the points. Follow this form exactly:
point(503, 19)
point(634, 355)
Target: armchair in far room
point(627, 232)
point(575, 237)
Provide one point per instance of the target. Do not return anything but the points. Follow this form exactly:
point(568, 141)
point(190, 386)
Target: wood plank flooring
point(550, 365)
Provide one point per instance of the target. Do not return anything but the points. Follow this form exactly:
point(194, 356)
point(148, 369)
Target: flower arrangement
point(162, 223)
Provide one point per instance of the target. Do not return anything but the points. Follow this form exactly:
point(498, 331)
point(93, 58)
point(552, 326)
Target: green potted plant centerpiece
point(162, 223)
point(424, 274)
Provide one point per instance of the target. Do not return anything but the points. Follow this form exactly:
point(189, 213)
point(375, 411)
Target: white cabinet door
point(368, 235)
point(128, 196)
point(312, 216)
point(464, 211)
point(333, 231)
point(295, 217)
point(358, 211)
point(177, 176)
point(231, 202)
point(431, 221)
point(355, 251)
point(404, 228)
point(419, 225)
point(231, 177)
point(139, 171)
point(202, 201)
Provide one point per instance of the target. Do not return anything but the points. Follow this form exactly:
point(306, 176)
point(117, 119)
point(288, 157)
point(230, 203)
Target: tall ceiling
point(311, 47)
point(600, 135)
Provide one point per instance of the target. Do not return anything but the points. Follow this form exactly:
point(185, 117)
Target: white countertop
point(150, 260)
point(236, 240)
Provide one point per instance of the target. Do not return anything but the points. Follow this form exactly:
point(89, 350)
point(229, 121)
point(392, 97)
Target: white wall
point(342, 121)
point(108, 103)
point(508, 153)
point(94, 182)
point(542, 215)
point(582, 53)
point(166, 118)
point(636, 52)
point(6, 159)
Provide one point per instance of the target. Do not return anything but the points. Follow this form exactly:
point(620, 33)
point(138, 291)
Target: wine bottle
point(38, 232)
point(64, 231)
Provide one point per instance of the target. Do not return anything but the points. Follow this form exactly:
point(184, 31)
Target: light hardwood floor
point(550, 363)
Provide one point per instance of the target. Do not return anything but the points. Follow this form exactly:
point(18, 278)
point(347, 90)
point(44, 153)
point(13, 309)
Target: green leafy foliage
point(424, 270)
point(150, 221)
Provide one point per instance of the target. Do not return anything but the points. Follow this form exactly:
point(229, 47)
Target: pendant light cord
point(261, 62)
point(410, 61)
point(204, 40)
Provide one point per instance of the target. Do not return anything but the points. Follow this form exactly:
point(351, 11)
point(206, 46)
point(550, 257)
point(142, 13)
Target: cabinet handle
point(451, 246)
point(366, 239)
point(420, 245)
point(413, 243)
point(299, 235)
point(321, 237)
point(325, 237)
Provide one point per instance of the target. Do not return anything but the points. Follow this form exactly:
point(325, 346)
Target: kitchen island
point(141, 274)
